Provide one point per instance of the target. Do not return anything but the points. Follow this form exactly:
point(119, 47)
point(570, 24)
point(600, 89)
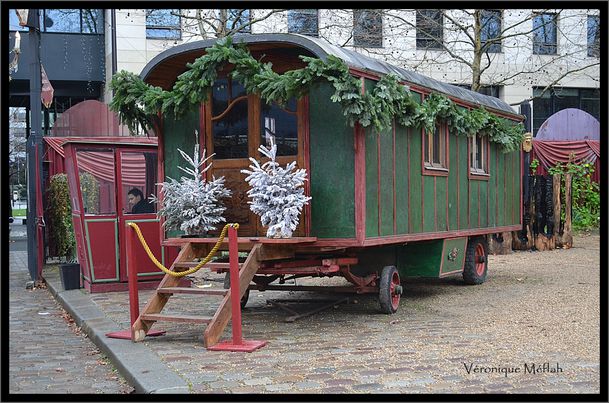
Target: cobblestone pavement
point(535, 308)
point(47, 352)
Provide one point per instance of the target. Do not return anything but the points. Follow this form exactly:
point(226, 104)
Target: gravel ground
point(534, 308)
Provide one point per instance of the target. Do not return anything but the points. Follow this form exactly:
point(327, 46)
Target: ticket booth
point(101, 174)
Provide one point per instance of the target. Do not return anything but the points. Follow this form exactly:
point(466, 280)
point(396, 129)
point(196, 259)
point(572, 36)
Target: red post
point(237, 343)
point(134, 303)
point(235, 289)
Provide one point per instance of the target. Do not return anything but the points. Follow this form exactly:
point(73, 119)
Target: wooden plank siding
point(437, 203)
point(416, 179)
point(396, 189)
point(180, 134)
point(372, 184)
point(332, 163)
point(453, 185)
point(402, 179)
point(386, 184)
point(392, 197)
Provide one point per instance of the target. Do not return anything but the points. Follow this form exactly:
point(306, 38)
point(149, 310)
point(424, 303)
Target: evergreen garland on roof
point(138, 103)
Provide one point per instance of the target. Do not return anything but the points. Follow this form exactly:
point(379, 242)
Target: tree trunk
point(556, 203)
point(567, 238)
point(500, 244)
point(476, 62)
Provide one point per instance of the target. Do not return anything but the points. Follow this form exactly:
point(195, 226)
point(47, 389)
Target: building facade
point(547, 57)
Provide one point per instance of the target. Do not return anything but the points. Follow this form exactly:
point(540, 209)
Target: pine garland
point(138, 103)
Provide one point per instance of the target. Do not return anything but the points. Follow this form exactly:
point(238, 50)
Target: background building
point(548, 57)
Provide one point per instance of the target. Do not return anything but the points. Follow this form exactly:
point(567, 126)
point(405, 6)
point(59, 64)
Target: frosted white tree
point(277, 194)
point(193, 204)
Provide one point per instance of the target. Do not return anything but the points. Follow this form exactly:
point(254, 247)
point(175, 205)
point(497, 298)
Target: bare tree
point(474, 47)
point(16, 150)
point(492, 47)
point(219, 23)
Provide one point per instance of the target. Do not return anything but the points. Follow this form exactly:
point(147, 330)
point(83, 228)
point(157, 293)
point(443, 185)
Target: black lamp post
point(34, 144)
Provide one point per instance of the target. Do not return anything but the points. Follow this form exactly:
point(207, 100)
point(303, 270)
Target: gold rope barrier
point(158, 264)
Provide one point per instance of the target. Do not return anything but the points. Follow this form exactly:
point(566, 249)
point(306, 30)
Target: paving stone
point(258, 381)
point(282, 387)
point(421, 353)
point(307, 385)
point(45, 353)
point(367, 387)
point(335, 389)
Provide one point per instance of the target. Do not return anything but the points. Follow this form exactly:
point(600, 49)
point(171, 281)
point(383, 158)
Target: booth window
point(97, 183)
point(163, 24)
point(281, 126)
point(138, 174)
point(229, 119)
point(435, 148)
point(478, 155)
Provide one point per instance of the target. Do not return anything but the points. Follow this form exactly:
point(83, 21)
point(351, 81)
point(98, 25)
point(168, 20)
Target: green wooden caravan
point(385, 206)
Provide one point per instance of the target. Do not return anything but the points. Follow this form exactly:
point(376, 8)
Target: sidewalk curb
point(138, 364)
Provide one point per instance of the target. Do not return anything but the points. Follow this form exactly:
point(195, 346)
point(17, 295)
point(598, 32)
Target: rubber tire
point(471, 274)
point(388, 306)
point(245, 296)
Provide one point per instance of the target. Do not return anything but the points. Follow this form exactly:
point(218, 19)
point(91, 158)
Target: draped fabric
point(549, 153)
point(595, 146)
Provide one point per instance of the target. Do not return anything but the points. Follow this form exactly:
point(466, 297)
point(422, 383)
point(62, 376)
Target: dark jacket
point(142, 207)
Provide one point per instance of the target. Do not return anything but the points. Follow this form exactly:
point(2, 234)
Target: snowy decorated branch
point(277, 194)
point(193, 203)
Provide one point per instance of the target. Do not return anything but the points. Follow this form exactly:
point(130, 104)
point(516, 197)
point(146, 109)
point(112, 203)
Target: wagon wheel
point(476, 261)
point(390, 289)
point(245, 296)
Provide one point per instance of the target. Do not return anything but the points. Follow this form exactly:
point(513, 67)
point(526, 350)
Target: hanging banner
point(46, 94)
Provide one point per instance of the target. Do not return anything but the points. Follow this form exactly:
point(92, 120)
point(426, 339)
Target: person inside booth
point(138, 203)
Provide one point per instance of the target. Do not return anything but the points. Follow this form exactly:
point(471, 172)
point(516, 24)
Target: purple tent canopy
point(568, 125)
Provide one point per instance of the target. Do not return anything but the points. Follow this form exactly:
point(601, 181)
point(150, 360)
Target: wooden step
point(189, 290)
point(175, 318)
point(212, 266)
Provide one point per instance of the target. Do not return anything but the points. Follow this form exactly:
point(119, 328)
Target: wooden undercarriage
point(267, 260)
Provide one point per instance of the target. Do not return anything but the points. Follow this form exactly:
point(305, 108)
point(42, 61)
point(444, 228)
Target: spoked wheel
point(476, 261)
point(245, 296)
point(390, 289)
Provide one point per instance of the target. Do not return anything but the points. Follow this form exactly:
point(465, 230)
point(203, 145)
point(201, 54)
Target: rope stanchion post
point(235, 296)
point(237, 343)
point(134, 302)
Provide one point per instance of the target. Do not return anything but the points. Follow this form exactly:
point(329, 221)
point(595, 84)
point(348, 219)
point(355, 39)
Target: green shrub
point(585, 195)
point(89, 187)
point(60, 214)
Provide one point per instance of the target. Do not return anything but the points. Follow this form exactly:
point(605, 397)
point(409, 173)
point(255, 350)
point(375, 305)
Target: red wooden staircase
point(228, 307)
